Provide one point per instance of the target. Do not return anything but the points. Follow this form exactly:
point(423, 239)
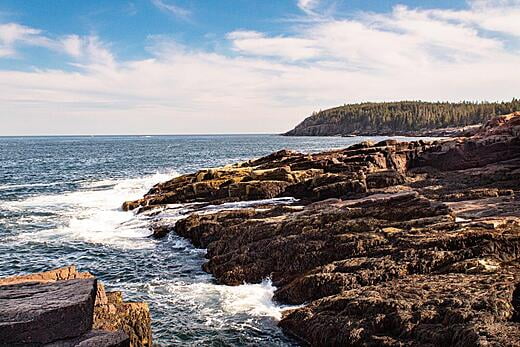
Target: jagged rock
point(335, 250)
point(496, 141)
point(287, 173)
point(160, 231)
point(422, 310)
point(132, 318)
point(390, 244)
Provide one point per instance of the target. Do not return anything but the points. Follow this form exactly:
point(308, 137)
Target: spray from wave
point(90, 214)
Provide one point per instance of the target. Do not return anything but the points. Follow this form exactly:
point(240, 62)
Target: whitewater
point(60, 204)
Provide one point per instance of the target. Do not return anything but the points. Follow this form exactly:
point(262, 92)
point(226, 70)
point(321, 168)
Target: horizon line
point(138, 135)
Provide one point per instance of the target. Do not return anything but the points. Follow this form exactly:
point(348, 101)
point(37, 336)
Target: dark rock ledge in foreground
point(390, 244)
point(63, 307)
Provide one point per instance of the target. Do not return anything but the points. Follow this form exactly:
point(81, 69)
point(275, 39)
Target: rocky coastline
point(64, 307)
point(319, 130)
point(388, 244)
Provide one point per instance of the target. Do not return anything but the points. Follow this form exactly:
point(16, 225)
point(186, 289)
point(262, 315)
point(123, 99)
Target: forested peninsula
point(402, 118)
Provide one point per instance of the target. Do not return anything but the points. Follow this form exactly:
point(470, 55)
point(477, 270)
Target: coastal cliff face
point(64, 308)
point(389, 244)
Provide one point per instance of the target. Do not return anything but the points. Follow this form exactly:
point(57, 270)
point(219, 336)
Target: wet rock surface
point(64, 307)
point(389, 244)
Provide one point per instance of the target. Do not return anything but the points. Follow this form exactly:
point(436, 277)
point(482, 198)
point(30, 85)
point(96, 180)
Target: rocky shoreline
point(465, 131)
point(64, 307)
point(393, 243)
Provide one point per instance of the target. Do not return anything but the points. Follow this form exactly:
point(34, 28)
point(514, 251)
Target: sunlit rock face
point(392, 243)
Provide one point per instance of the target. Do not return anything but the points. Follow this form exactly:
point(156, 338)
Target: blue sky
point(235, 66)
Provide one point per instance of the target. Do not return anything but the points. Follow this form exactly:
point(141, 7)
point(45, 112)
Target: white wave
point(93, 213)
point(216, 303)
point(253, 299)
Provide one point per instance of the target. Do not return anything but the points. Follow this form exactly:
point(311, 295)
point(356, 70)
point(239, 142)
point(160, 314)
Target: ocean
point(60, 200)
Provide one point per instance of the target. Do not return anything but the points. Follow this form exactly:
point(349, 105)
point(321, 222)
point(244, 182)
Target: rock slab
point(40, 313)
point(64, 307)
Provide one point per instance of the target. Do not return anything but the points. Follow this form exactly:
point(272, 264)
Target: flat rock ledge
point(66, 308)
point(388, 244)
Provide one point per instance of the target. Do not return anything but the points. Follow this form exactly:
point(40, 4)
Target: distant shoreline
point(465, 131)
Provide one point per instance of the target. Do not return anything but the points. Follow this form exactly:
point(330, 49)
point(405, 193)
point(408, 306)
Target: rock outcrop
point(64, 308)
point(339, 173)
point(389, 244)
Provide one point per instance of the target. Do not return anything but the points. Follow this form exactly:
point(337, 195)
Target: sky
point(242, 66)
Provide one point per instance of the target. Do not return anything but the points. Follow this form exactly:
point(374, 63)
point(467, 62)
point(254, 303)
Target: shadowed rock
point(95, 338)
point(64, 308)
point(40, 313)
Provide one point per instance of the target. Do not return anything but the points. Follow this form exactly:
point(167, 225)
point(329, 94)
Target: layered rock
point(286, 173)
point(64, 307)
point(393, 244)
point(32, 313)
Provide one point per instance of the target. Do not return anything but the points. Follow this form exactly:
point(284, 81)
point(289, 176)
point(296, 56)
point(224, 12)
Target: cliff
point(389, 244)
point(414, 118)
point(64, 308)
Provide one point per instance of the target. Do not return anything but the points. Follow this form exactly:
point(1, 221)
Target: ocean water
point(60, 201)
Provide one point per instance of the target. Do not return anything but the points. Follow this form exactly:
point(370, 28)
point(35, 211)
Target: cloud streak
point(308, 6)
point(13, 34)
point(172, 9)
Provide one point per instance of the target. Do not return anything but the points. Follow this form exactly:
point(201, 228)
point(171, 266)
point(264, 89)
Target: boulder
point(64, 307)
point(40, 313)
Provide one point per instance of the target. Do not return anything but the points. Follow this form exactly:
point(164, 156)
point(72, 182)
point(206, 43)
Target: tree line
point(401, 117)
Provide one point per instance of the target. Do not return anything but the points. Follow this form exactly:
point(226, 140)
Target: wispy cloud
point(130, 9)
point(257, 44)
point(13, 34)
point(308, 6)
point(270, 82)
point(172, 9)
point(88, 51)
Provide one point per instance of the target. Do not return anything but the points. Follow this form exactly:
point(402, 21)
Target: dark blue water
point(60, 201)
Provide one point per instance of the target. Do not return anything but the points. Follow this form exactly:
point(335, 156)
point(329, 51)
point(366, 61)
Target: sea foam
point(91, 214)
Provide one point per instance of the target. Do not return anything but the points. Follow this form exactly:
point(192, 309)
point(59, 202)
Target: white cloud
point(308, 6)
point(500, 16)
point(12, 34)
point(400, 39)
point(173, 9)
point(254, 43)
point(72, 45)
point(87, 50)
point(269, 83)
